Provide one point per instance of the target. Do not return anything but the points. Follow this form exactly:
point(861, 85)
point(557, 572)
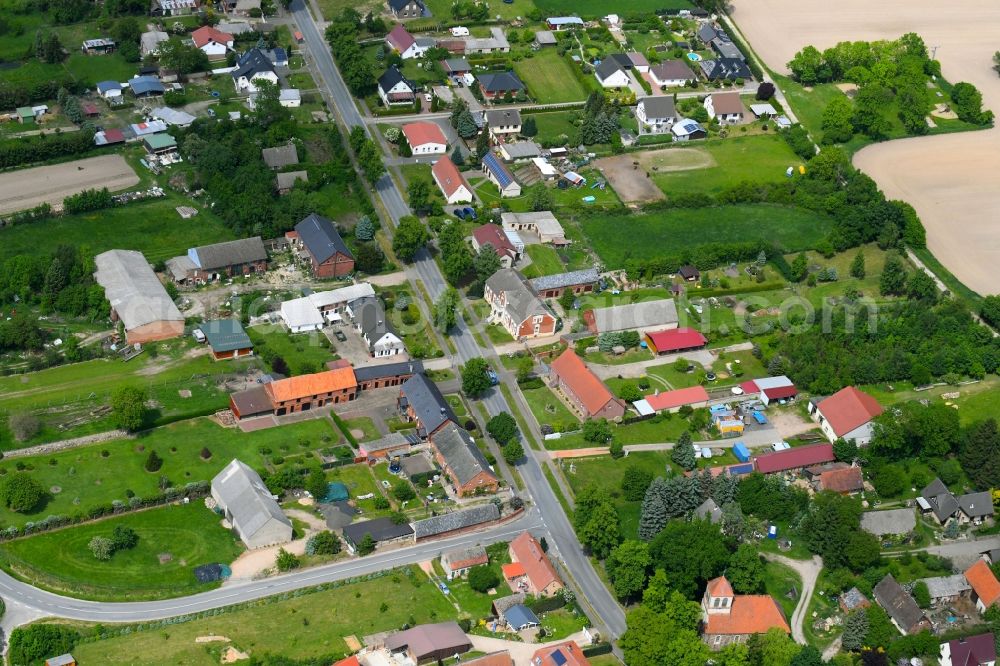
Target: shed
point(227, 338)
point(741, 452)
point(520, 617)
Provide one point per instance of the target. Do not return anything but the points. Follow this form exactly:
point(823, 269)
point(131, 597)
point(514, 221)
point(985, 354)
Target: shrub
point(153, 462)
point(123, 538)
point(24, 426)
point(21, 493)
point(483, 578)
point(205, 453)
point(35, 642)
point(286, 561)
point(102, 548)
point(323, 543)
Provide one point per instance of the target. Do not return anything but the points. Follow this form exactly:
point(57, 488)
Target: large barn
point(137, 297)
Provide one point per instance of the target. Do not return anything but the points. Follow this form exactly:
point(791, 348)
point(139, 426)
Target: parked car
point(460, 213)
point(470, 213)
point(340, 336)
point(494, 379)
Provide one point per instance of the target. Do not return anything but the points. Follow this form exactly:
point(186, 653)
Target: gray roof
point(976, 505)
point(230, 253)
point(934, 488)
point(853, 599)
point(287, 179)
point(503, 603)
point(381, 529)
point(493, 82)
point(321, 238)
point(708, 510)
point(894, 521)
point(391, 441)
point(456, 65)
point(152, 39)
point(460, 453)
point(726, 49)
point(252, 62)
point(643, 315)
point(225, 335)
point(368, 372)
point(428, 404)
point(560, 280)
point(707, 32)
point(522, 300)
point(661, 106)
point(898, 603)
point(369, 315)
point(280, 156)
point(725, 68)
point(456, 520)
point(947, 586)
point(179, 267)
point(245, 497)
point(943, 503)
point(428, 640)
point(672, 69)
point(608, 67)
point(520, 616)
point(545, 38)
point(520, 150)
point(133, 290)
point(464, 554)
point(503, 117)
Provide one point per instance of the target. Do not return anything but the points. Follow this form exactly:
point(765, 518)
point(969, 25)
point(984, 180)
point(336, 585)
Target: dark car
point(470, 213)
point(459, 213)
point(340, 336)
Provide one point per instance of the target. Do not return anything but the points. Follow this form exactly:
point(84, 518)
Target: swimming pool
point(693, 57)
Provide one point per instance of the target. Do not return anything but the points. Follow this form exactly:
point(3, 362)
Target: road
point(591, 590)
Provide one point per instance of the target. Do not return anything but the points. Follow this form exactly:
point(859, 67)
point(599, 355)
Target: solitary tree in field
point(128, 408)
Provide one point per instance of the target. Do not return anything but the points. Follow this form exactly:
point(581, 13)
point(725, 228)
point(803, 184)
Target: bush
point(153, 462)
point(102, 548)
point(21, 493)
point(403, 491)
point(483, 578)
point(205, 453)
point(286, 561)
point(35, 642)
point(123, 538)
point(23, 425)
point(323, 543)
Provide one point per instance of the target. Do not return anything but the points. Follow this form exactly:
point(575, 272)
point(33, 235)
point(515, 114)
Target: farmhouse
point(420, 401)
point(451, 182)
point(579, 282)
point(227, 339)
point(370, 321)
point(220, 260)
point(585, 391)
point(938, 501)
point(305, 392)
point(429, 642)
point(725, 107)
point(249, 507)
point(530, 570)
point(656, 114)
point(457, 562)
point(382, 530)
point(301, 316)
point(671, 401)
point(675, 340)
point(394, 88)
point(768, 389)
point(384, 375)
point(323, 246)
point(456, 68)
point(462, 461)
point(515, 306)
point(492, 235)
point(979, 650)
point(502, 122)
point(902, 609)
point(149, 42)
point(498, 174)
point(406, 9)
point(252, 67)
point(543, 224)
point(645, 316)
point(671, 74)
point(425, 138)
point(611, 73)
point(212, 42)
point(732, 618)
point(846, 414)
point(500, 84)
point(403, 43)
point(137, 297)
point(985, 587)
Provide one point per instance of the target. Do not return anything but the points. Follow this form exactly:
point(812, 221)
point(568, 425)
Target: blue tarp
point(759, 418)
point(741, 452)
point(739, 470)
point(336, 492)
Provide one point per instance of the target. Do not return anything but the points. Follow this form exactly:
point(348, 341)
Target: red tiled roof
point(114, 136)
point(846, 480)
point(750, 614)
point(206, 34)
point(349, 661)
point(676, 338)
point(417, 134)
point(528, 552)
point(983, 582)
point(447, 176)
point(719, 587)
point(564, 654)
point(491, 234)
point(582, 382)
point(848, 409)
point(513, 570)
point(780, 392)
point(328, 381)
point(400, 39)
point(677, 398)
point(750, 387)
point(794, 458)
point(495, 659)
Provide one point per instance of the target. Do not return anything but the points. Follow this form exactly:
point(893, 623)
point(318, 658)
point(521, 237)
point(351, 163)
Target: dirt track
point(949, 179)
point(28, 188)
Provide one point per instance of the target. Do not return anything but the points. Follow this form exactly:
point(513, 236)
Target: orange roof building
point(450, 180)
point(671, 401)
point(845, 480)
point(298, 394)
point(493, 659)
point(985, 586)
point(585, 391)
point(348, 661)
point(540, 577)
point(846, 414)
point(563, 654)
point(733, 618)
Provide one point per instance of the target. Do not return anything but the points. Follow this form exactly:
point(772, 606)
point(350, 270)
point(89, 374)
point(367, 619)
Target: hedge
point(546, 604)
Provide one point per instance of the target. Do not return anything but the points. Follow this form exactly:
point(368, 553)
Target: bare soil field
point(28, 188)
point(949, 179)
point(629, 174)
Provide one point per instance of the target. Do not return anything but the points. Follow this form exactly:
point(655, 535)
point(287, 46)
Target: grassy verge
point(779, 580)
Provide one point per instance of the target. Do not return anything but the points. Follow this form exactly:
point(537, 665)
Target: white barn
point(248, 505)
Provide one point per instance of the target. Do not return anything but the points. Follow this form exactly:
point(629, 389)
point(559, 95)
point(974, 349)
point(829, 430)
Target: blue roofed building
point(519, 617)
point(146, 86)
point(741, 452)
point(500, 175)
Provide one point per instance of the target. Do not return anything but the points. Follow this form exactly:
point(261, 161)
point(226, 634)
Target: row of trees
point(358, 71)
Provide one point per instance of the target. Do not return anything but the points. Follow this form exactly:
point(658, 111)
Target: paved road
point(592, 590)
point(809, 571)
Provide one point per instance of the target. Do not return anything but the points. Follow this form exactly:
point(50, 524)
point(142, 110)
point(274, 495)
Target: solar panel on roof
point(559, 658)
point(499, 171)
point(741, 469)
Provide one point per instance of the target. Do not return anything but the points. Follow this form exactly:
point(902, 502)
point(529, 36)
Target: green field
point(153, 227)
point(544, 261)
point(304, 627)
point(61, 560)
point(549, 78)
point(305, 353)
point(552, 124)
point(596, 8)
point(613, 236)
point(779, 579)
point(441, 10)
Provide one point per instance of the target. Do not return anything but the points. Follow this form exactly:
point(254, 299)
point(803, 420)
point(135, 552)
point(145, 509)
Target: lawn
point(366, 426)
point(307, 627)
point(441, 10)
point(152, 227)
point(304, 353)
point(548, 409)
point(360, 482)
point(778, 580)
point(61, 560)
point(549, 78)
point(545, 260)
point(552, 124)
point(596, 8)
point(80, 479)
point(612, 236)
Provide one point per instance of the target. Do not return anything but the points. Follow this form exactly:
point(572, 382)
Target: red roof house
point(583, 388)
point(770, 388)
point(672, 400)
point(213, 42)
point(847, 414)
point(399, 39)
point(985, 586)
point(845, 480)
point(675, 340)
point(492, 234)
point(794, 458)
point(563, 654)
point(539, 574)
point(731, 618)
point(451, 182)
point(979, 650)
point(425, 138)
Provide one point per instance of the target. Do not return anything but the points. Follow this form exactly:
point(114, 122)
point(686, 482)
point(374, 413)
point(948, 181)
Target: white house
point(251, 67)
point(394, 88)
point(847, 414)
point(301, 315)
point(370, 321)
point(656, 114)
point(110, 90)
point(425, 138)
point(611, 74)
point(685, 129)
point(406, 45)
point(449, 179)
point(671, 74)
point(725, 107)
point(502, 122)
point(212, 42)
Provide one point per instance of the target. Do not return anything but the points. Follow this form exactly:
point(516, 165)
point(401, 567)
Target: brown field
point(628, 174)
point(949, 179)
point(28, 188)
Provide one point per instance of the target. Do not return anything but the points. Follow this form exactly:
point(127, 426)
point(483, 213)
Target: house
point(707, 33)
point(611, 73)
point(159, 144)
point(978, 650)
point(937, 500)
point(213, 42)
point(149, 42)
point(371, 322)
point(732, 618)
point(685, 129)
point(407, 9)
point(894, 522)
point(656, 114)
point(425, 138)
point(643, 317)
point(794, 458)
point(671, 401)
point(252, 67)
point(985, 586)
point(519, 617)
point(725, 107)
point(326, 250)
point(456, 68)
point(456, 563)
point(579, 282)
point(498, 174)
point(671, 74)
point(847, 414)
point(675, 340)
point(535, 573)
point(394, 88)
point(639, 62)
point(503, 122)
point(542, 223)
point(110, 90)
point(452, 184)
point(500, 84)
point(385, 375)
point(99, 46)
point(584, 390)
point(455, 522)
point(516, 151)
point(278, 56)
point(564, 22)
point(145, 86)
point(495, 43)
point(62, 660)
point(853, 600)
point(218, 261)
point(844, 481)
point(301, 316)
point(420, 401)
point(708, 510)
point(975, 508)
point(382, 530)
point(902, 609)
point(428, 642)
point(769, 389)
point(563, 654)
point(280, 157)
point(453, 46)
point(290, 98)
point(947, 589)
point(227, 339)
point(729, 69)
point(137, 298)
point(403, 43)
point(725, 48)
point(247, 504)
point(493, 235)
point(515, 305)
point(689, 273)
point(544, 38)
point(461, 460)
point(284, 182)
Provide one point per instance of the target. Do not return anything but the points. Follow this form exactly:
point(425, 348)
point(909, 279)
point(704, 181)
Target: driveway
point(809, 571)
point(466, 96)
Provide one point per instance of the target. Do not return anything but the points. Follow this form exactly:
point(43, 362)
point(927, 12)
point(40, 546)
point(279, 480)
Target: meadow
point(549, 78)
point(304, 352)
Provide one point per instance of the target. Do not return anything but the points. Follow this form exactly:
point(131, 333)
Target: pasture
point(549, 78)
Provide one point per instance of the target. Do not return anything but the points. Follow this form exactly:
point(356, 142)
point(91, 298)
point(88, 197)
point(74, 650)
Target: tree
point(183, 59)
point(855, 631)
point(323, 543)
point(512, 452)
point(540, 198)
point(482, 145)
point(626, 566)
point(808, 66)
point(364, 230)
point(892, 282)
point(23, 425)
point(601, 533)
point(128, 408)
point(683, 452)
point(457, 157)
point(286, 561)
point(486, 263)
point(21, 493)
point(567, 300)
point(446, 310)
point(990, 311)
point(921, 287)
point(403, 491)
point(837, 124)
point(765, 91)
point(529, 127)
point(635, 482)
point(411, 235)
point(921, 594)
point(369, 258)
point(968, 104)
point(483, 578)
point(267, 105)
point(502, 428)
point(653, 514)
point(629, 392)
point(597, 431)
point(845, 450)
point(371, 161)
point(746, 570)
point(466, 125)
point(101, 548)
point(800, 268)
point(670, 636)
point(829, 526)
point(980, 454)
point(419, 192)
point(672, 548)
point(367, 545)
point(858, 265)
point(123, 538)
point(316, 484)
point(475, 377)
point(153, 462)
